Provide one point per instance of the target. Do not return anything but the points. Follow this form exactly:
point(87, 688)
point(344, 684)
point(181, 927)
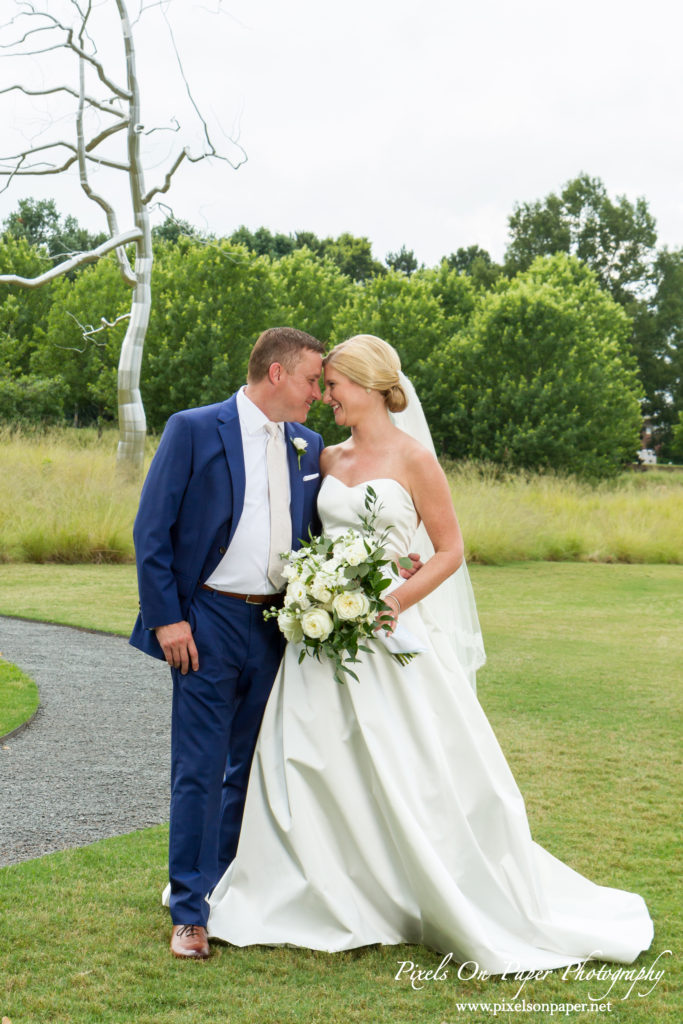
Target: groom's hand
point(417, 564)
point(178, 645)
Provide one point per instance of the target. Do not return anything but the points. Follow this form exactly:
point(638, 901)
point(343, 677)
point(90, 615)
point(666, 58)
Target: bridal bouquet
point(334, 593)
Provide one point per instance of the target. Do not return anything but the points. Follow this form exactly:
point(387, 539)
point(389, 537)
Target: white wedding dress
point(383, 811)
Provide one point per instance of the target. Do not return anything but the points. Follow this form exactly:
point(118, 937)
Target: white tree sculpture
point(107, 105)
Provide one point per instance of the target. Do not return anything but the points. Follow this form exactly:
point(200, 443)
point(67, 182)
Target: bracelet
point(393, 597)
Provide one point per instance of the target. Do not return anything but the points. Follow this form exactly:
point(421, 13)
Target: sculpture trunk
point(132, 422)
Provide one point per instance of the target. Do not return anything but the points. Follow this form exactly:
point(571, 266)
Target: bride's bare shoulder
point(415, 453)
point(421, 465)
point(329, 457)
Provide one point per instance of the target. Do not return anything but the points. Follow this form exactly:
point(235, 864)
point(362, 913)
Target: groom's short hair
point(280, 345)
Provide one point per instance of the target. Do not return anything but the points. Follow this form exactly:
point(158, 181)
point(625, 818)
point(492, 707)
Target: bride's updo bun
point(395, 398)
point(372, 363)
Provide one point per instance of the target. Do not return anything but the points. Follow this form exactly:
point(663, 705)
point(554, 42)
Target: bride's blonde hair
point(372, 363)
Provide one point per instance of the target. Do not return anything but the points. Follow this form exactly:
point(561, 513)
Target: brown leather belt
point(275, 599)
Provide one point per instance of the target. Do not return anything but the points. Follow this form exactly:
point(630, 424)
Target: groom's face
point(298, 389)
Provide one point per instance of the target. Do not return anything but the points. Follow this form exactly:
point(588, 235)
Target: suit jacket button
point(221, 551)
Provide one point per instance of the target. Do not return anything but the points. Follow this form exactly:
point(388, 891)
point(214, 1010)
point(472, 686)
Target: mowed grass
point(582, 686)
point(103, 597)
point(18, 697)
point(63, 502)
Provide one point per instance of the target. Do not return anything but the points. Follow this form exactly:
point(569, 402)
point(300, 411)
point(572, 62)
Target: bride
point(383, 810)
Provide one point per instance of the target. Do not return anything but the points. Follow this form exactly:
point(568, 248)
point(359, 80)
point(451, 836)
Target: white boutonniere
point(300, 446)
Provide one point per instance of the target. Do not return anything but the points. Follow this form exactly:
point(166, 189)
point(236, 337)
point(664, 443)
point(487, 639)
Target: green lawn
point(583, 688)
point(18, 697)
point(91, 596)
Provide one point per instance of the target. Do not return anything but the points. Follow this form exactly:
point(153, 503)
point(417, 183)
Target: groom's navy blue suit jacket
point(190, 506)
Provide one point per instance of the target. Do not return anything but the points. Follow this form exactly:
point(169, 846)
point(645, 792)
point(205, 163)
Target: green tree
point(212, 300)
point(30, 399)
point(414, 314)
point(676, 444)
point(542, 377)
point(477, 264)
point(660, 336)
point(616, 239)
point(78, 347)
point(39, 222)
point(23, 314)
point(353, 256)
point(404, 260)
point(402, 310)
point(307, 292)
point(455, 292)
point(263, 242)
point(173, 228)
point(309, 240)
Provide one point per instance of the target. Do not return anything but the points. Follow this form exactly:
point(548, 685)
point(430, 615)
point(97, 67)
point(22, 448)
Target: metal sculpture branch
point(114, 93)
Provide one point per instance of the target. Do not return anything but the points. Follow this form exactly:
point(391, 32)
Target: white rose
point(290, 572)
point(352, 604)
point(316, 623)
point(332, 572)
point(300, 444)
point(320, 590)
point(354, 552)
point(290, 627)
point(296, 594)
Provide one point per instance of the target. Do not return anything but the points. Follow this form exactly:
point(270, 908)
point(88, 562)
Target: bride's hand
point(417, 564)
point(389, 616)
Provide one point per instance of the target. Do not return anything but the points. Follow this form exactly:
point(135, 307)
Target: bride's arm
point(434, 505)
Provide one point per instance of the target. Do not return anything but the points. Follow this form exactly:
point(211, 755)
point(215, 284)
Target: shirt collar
point(251, 417)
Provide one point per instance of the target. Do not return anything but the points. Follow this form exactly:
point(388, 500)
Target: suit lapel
point(231, 436)
point(296, 487)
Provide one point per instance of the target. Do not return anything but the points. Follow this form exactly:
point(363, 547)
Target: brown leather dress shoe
point(189, 941)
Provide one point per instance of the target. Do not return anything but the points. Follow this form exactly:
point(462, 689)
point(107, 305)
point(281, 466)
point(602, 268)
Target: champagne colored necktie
point(278, 494)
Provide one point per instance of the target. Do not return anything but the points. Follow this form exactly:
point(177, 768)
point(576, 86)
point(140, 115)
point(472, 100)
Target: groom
point(231, 486)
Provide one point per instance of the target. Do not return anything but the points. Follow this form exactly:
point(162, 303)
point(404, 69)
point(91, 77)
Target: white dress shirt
point(244, 567)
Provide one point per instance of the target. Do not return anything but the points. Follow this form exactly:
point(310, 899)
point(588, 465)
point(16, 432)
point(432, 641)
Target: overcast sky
point(413, 123)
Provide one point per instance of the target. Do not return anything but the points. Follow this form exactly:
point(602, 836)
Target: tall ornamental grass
point(62, 502)
point(61, 498)
point(542, 517)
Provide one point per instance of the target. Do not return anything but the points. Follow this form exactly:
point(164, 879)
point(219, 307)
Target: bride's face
point(347, 399)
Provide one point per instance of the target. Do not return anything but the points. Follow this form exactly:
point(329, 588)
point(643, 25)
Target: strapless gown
point(383, 811)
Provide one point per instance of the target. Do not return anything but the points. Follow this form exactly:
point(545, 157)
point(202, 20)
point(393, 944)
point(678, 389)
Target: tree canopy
point(615, 238)
point(544, 366)
point(541, 377)
point(38, 221)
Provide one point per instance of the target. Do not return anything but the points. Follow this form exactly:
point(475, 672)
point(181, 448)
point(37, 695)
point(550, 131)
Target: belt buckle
point(248, 599)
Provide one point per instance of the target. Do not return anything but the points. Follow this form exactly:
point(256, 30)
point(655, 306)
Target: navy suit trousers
point(217, 712)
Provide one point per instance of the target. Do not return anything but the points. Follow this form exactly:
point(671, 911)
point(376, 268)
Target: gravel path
point(94, 762)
